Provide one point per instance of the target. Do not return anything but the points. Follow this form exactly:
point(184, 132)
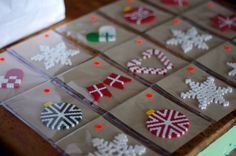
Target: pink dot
point(139, 41)
point(2, 59)
point(46, 35)
point(93, 18)
point(228, 47)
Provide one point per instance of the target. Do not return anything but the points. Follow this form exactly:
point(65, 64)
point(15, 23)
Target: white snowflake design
point(206, 93)
point(117, 147)
point(189, 39)
point(232, 72)
point(55, 55)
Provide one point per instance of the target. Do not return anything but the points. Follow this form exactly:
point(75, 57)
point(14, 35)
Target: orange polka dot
point(139, 41)
point(99, 126)
point(176, 21)
point(149, 95)
point(228, 47)
point(190, 68)
point(97, 63)
point(93, 18)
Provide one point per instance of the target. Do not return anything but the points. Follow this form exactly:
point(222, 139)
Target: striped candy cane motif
point(168, 123)
point(135, 65)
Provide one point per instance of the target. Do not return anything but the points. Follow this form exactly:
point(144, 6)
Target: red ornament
point(139, 15)
point(168, 123)
point(98, 90)
point(117, 81)
point(224, 23)
point(12, 79)
point(179, 3)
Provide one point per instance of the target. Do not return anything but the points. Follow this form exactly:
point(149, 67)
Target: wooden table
point(16, 138)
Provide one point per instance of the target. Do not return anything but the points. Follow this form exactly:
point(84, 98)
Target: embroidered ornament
point(233, 65)
point(189, 39)
point(60, 116)
point(135, 65)
point(224, 23)
point(167, 123)
point(12, 79)
point(105, 34)
point(51, 56)
point(139, 15)
point(98, 90)
point(178, 3)
point(206, 93)
point(117, 147)
point(117, 81)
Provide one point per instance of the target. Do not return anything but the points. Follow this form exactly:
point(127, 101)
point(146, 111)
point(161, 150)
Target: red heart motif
point(12, 79)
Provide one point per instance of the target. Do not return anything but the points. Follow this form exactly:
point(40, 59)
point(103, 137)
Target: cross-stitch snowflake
point(232, 72)
point(206, 93)
point(117, 147)
point(189, 39)
point(55, 55)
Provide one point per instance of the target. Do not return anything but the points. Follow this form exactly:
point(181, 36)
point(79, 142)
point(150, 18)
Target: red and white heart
point(12, 79)
point(135, 65)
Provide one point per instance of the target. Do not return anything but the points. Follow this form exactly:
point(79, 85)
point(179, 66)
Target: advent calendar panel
point(216, 18)
point(201, 91)
point(52, 112)
point(145, 59)
point(95, 31)
point(183, 38)
point(15, 77)
point(95, 135)
point(102, 83)
point(137, 15)
point(160, 120)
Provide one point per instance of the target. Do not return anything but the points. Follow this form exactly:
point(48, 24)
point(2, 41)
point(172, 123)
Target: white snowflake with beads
point(189, 39)
point(117, 147)
point(206, 93)
point(52, 56)
point(232, 72)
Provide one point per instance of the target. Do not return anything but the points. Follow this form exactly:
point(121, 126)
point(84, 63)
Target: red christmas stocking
point(98, 90)
point(117, 81)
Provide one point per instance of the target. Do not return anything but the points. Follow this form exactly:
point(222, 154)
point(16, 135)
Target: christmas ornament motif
point(189, 39)
point(178, 3)
point(233, 65)
point(60, 116)
point(106, 34)
point(139, 15)
point(135, 65)
point(117, 147)
point(167, 123)
point(117, 81)
point(12, 79)
point(206, 93)
point(98, 90)
point(51, 56)
point(224, 23)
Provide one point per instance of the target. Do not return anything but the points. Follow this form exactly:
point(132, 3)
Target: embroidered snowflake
point(189, 39)
point(232, 72)
point(55, 55)
point(117, 147)
point(206, 93)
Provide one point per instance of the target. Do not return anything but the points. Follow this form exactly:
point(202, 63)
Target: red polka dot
point(2, 59)
point(46, 35)
point(46, 90)
point(190, 68)
point(211, 4)
point(99, 126)
point(228, 47)
point(97, 63)
point(176, 21)
point(93, 18)
point(149, 95)
point(139, 41)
